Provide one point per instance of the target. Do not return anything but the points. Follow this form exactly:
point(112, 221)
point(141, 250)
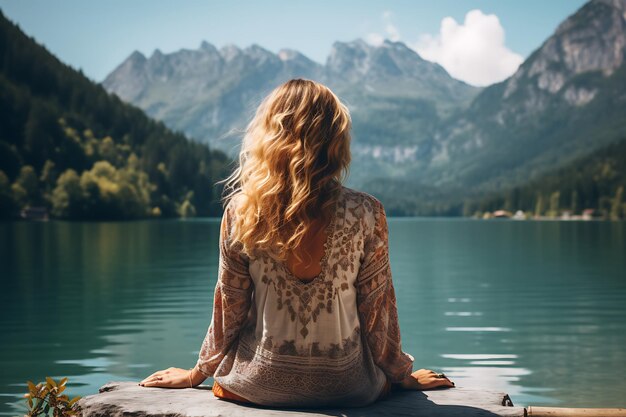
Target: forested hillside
point(70, 146)
point(593, 182)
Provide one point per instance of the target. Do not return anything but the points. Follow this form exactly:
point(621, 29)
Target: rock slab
point(118, 399)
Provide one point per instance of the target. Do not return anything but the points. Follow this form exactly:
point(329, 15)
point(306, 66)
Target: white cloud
point(473, 51)
point(375, 38)
point(391, 31)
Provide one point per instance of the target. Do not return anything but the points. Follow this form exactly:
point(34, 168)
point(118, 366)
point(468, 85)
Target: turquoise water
point(534, 309)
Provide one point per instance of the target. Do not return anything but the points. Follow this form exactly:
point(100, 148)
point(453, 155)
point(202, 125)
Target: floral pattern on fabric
point(231, 303)
point(377, 303)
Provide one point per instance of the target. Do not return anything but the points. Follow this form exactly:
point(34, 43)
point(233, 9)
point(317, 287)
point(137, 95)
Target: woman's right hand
point(424, 379)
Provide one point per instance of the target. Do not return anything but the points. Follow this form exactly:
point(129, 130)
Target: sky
point(478, 41)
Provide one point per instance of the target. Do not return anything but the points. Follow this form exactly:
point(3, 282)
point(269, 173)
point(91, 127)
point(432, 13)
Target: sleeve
point(376, 301)
point(231, 302)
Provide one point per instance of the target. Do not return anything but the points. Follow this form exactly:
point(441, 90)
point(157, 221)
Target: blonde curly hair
point(294, 157)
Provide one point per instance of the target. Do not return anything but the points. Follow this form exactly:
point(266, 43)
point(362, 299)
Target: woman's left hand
point(168, 378)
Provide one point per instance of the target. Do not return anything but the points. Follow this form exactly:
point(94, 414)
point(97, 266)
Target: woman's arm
point(379, 315)
point(376, 301)
point(231, 303)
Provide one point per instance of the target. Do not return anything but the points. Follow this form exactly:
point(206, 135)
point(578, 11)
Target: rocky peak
point(348, 56)
point(358, 60)
point(259, 54)
point(212, 87)
point(592, 39)
point(230, 51)
point(296, 64)
point(286, 54)
point(618, 4)
point(136, 58)
point(398, 46)
point(207, 47)
point(209, 52)
point(157, 55)
point(207, 55)
point(129, 78)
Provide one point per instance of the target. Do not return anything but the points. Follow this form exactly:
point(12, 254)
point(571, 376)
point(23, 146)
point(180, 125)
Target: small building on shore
point(502, 214)
point(34, 213)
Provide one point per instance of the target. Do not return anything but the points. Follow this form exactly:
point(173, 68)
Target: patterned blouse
point(335, 340)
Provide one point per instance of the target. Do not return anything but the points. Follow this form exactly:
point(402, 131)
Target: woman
point(290, 332)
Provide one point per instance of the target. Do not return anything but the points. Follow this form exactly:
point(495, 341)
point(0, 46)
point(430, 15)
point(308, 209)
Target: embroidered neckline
point(330, 233)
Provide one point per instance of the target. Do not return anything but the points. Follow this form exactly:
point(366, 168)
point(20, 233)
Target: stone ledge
point(129, 399)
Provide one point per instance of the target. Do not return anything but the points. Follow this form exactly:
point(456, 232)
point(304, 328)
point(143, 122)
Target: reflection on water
point(528, 308)
point(477, 329)
point(520, 307)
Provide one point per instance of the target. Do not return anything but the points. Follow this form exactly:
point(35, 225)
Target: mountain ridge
point(414, 123)
point(212, 95)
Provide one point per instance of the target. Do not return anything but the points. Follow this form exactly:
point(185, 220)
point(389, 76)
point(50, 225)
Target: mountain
point(566, 100)
point(204, 92)
point(68, 145)
point(434, 140)
point(396, 98)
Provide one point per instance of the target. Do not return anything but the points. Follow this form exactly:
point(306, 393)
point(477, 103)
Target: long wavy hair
point(294, 157)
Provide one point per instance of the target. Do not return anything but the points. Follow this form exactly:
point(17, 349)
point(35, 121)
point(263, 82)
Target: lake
point(536, 309)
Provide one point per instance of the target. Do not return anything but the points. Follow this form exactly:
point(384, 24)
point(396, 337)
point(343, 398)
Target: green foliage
point(26, 187)
point(8, 206)
point(48, 178)
point(68, 145)
point(187, 209)
point(10, 159)
point(554, 204)
point(593, 182)
point(67, 195)
point(104, 192)
point(617, 204)
point(539, 206)
point(47, 399)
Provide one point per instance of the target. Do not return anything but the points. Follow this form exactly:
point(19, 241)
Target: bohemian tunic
point(335, 340)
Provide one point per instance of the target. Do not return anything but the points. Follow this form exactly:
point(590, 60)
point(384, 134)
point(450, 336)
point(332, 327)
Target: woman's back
point(333, 340)
point(306, 262)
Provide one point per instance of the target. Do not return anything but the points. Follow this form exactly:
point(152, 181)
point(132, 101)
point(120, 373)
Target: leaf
point(61, 389)
point(51, 381)
point(31, 386)
point(74, 400)
point(63, 381)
